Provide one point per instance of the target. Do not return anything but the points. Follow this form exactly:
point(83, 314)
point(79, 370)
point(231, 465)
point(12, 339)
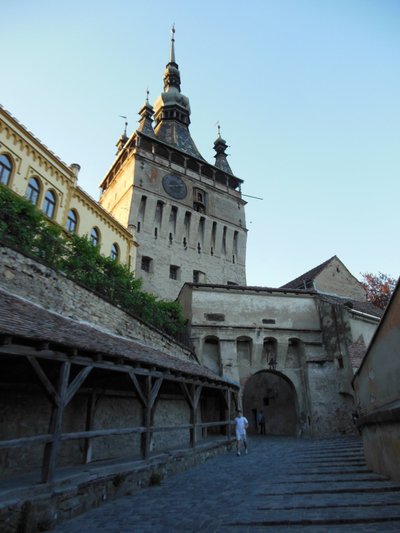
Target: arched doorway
point(275, 395)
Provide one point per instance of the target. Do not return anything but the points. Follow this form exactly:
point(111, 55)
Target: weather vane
point(126, 123)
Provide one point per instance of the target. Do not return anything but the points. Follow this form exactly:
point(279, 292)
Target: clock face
point(174, 186)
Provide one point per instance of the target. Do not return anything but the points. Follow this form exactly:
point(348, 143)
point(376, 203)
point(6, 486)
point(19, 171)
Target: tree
point(379, 288)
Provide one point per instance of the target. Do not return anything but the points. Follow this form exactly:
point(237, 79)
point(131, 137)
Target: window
point(199, 200)
point(49, 204)
point(174, 272)
point(5, 169)
point(213, 237)
point(159, 213)
point(235, 242)
point(33, 191)
point(198, 276)
point(114, 252)
point(94, 236)
point(172, 219)
point(147, 264)
point(224, 240)
point(142, 210)
point(201, 229)
point(72, 221)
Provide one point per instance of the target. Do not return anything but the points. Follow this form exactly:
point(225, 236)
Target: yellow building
point(30, 169)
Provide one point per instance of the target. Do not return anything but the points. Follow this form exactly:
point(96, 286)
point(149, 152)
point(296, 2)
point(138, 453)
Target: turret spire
point(146, 117)
point(220, 146)
point(123, 138)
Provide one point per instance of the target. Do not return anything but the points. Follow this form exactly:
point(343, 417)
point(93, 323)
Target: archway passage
point(275, 396)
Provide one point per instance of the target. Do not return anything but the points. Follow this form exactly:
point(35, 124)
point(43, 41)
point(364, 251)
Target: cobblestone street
point(283, 484)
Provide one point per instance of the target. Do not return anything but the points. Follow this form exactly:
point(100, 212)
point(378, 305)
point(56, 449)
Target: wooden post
point(192, 397)
point(88, 446)
point(151, 394)
point(229, 428)
point(52, 448)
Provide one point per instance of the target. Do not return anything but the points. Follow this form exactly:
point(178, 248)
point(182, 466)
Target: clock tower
point(188, 214)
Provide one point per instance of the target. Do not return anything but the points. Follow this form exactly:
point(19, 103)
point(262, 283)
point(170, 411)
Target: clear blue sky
point(307, 94)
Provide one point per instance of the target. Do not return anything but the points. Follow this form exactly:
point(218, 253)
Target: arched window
point(72, 221)
point(269, 352)
point(49, 204)
point(5, 169)
point(33, 190)
point(114, 252)
point(95, 237)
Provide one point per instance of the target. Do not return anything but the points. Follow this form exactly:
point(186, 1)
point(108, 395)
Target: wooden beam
point(138, 388)
point(101, 433)
point(154, 391)
point(51, 449)
point(25, 441)
point(187, 395)
point(128, 367)
point(75, 385)
point(44, 380)
point(90, 408)
point(146, 421)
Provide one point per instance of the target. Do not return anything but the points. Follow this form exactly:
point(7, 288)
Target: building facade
point(290, 351)
point(31, 170)
point(188, 214)
point(377, 390)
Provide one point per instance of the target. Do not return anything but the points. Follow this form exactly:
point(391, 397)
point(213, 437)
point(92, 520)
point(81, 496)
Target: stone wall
point(41, 507)
point(42, 285)
point(240, 330)
point(376, 385)
point(25, 414)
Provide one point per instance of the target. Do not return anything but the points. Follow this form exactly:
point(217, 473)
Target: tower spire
point(172, 76)
point(172, 49)
point(172, 109)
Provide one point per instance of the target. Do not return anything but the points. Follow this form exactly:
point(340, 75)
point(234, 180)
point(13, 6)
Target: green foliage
point(20, 221)
point(24, 227)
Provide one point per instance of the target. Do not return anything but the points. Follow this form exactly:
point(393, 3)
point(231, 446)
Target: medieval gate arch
point(273, 393)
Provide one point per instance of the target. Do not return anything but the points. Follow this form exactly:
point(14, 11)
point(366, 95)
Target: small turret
point(220, 157)
point(122, 140)
point(146, 118)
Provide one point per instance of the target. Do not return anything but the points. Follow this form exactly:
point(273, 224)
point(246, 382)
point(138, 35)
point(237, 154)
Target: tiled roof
point(21, 318)
point(307, 276)
point(361, 306)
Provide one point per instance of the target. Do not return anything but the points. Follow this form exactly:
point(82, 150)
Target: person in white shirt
point(241, 424)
